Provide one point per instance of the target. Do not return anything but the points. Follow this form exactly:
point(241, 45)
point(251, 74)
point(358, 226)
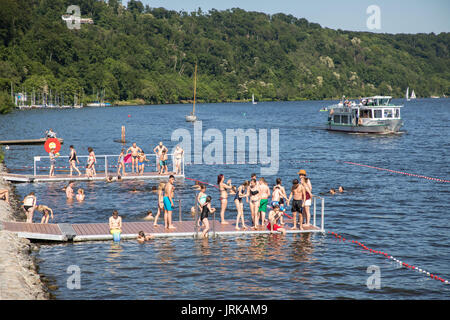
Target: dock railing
point(322, 207)
point(107, 164)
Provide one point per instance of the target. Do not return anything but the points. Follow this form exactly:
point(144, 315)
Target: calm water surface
point(402, 215)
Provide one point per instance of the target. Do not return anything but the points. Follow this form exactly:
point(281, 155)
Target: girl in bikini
point(223, 187)
point(253, 191)
point(241, 192)
point(91, 163)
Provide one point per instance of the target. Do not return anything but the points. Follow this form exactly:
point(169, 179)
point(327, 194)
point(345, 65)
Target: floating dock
point(29, 178)
point(28, 141)
point(64, 232)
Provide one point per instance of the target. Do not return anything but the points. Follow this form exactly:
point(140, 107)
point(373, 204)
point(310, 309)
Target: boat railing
point(322, 208)
point(107, 164)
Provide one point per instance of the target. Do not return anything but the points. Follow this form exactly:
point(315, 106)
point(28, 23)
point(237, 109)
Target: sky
point(395, 16)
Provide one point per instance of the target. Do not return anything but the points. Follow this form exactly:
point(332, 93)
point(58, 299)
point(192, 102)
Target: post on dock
point(322, 225)
point(106, 167)
point(34, 164)
point(122, 137)
point(314, 217)
point(179, 209)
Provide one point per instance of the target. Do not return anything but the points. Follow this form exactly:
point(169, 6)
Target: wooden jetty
point(27, 141)
point(64, 232)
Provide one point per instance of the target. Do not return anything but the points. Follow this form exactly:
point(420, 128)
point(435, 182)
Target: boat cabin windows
point(344, 119)
point(366, 114)
point(388, 113)
point(377, 113)
point(337, 119)
point(397, 113)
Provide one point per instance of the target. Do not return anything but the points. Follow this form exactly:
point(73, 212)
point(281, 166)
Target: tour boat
point(370, 115)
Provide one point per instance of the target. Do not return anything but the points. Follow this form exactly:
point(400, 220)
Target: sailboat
point(192, 117)
point(413, 95)
point(253, 99)
point(407, 94)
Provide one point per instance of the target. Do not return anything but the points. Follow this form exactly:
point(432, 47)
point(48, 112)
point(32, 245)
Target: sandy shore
point(19, 279)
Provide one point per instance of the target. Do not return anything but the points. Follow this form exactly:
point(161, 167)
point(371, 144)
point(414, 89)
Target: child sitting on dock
point(274, 216)
point(46, 212)
point(115, 223)
point(142, 237)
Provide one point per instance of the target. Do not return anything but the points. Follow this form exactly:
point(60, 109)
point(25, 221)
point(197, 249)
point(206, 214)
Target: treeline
point(139, 52)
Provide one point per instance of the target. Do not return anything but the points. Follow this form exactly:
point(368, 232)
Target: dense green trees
point(150, 53)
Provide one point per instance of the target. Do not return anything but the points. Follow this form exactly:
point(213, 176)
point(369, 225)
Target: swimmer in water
point(69, 190)
point(149, 215)
point(142, 237)
point(80, 195)
point(341, 189)
point(332, 191)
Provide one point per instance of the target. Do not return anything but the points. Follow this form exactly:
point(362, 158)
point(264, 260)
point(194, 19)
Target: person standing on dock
point(168, 203)
point(90, 168)
point(223, 187)
point(160, 202)
point(253, 191)
point(29, 204)
point(158, 152)
point(306, 183)
point(206, 210)
point(241, 193)
point(135, 150)
point(142, 158)
point(178, 155)
point(264, 193)
point(53, 157)
point(121, 163)
point(115, 223)
point(298, 193)
point(73, 160)
point(163, 162)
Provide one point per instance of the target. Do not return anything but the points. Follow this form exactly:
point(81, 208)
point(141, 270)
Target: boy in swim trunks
point(163, 162)
point(264, 192)
point(115, 223)
point(168, 203)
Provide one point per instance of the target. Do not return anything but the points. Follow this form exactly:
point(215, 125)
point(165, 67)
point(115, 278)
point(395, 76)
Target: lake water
point(402, 215)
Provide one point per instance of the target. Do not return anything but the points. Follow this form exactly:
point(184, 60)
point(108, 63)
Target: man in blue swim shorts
point(168, 203)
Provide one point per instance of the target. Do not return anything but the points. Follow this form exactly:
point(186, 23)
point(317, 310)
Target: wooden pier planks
point(100, 231)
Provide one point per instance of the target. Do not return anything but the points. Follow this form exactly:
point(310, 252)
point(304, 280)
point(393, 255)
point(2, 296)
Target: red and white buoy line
point(388, 256)
point(395, 171)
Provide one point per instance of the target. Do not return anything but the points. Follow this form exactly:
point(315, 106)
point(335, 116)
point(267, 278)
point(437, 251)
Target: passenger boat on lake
point(369, 115)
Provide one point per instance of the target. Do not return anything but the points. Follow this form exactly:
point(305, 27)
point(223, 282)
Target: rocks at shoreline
point(19, 279)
